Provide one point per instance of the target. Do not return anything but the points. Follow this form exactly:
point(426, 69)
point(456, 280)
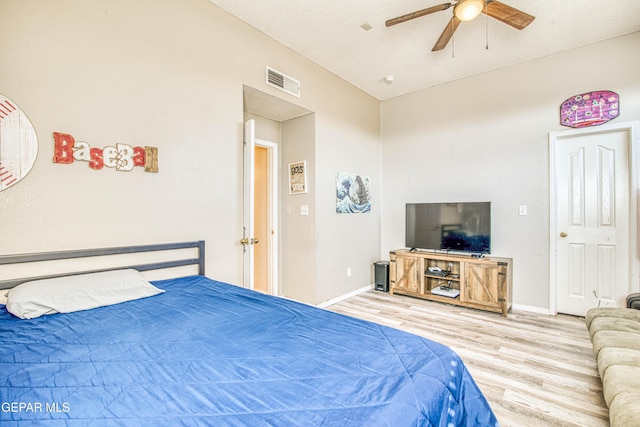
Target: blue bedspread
point(205, 353)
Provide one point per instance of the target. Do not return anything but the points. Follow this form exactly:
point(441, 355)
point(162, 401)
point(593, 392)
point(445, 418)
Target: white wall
point(345, 240)
point(299, 261)
point(168, 74)
point(486, 139)
point(266, 129)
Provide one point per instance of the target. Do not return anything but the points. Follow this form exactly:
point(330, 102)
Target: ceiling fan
point(466, 10)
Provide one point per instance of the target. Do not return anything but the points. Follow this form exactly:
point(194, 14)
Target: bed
point(201, 352)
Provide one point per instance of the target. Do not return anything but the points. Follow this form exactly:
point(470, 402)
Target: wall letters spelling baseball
point(122, 157)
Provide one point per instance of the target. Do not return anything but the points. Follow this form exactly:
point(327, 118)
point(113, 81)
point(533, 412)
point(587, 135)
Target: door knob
point(563, 234)
point(255, 241)
point(244, 241)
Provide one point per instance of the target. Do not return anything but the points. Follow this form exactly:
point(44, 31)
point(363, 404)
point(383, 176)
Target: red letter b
point(63, 148)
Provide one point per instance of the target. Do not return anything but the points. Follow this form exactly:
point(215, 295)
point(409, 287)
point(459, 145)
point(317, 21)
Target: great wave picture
point(353, 193)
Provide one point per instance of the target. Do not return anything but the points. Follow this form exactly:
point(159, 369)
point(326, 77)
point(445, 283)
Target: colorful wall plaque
point(121, 157)
point(590, 109)
point(18, 144)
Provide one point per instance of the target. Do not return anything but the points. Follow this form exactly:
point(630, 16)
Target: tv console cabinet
point(482, 283)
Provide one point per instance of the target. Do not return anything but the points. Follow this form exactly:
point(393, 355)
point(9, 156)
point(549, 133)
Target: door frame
point(274, 217)
point(632, 128)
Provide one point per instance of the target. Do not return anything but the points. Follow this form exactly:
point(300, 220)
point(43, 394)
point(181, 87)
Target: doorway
point(264, 115)
point(265, 217)
point(593, 231)
point(260, 237)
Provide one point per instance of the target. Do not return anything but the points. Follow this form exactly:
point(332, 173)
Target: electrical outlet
point(348, 271)
point(522, 210)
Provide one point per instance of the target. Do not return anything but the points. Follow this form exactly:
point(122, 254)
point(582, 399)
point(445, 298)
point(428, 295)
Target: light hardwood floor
point(535, 370)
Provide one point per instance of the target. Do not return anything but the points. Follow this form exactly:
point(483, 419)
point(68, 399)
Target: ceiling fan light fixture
point(467, 10)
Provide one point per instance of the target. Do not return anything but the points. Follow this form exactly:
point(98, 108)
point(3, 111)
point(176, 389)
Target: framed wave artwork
point(353, 193)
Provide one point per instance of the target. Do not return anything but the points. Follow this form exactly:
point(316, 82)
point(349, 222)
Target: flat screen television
point(462, 227)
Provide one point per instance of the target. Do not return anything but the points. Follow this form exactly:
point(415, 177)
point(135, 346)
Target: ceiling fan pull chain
point(486, 25)
point(453, 39)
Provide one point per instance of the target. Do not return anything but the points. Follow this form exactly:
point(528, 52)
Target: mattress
point(208, 353)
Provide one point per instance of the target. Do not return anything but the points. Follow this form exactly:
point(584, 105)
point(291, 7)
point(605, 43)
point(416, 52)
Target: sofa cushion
point(623, 313)
point(624, 411)
point(613, 324)
point(633, 301)
point(621, 339)
point(620, 379)
point(611, 356)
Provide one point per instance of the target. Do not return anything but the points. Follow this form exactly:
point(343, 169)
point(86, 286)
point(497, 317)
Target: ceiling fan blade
point(509, 15)
point(446, 35)
point(417, 14)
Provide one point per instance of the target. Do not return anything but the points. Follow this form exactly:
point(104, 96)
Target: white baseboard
point(521, 307)
point(531, 309)
point(332, 301)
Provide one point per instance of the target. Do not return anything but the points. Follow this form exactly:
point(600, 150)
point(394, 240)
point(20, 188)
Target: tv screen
point(462, 227)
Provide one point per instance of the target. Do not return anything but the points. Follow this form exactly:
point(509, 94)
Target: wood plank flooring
point(535, 370)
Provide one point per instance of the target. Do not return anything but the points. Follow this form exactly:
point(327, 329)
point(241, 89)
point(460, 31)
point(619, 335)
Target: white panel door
point(592, 224)
point(249, 143)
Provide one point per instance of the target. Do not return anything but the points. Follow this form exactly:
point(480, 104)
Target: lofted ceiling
point(330, 34)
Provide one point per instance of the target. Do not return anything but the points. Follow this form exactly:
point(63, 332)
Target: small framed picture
point(298, 177)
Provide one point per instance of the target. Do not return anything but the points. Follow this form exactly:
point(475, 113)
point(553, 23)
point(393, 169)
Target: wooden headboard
point(88, 253)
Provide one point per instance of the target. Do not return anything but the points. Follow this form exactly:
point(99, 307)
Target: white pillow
point(80, 292)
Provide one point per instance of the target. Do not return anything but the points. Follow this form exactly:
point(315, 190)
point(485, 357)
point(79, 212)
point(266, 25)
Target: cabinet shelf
point(483, 283)
point(452, 277)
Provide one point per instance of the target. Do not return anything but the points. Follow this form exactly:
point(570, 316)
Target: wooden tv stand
point(482, 283)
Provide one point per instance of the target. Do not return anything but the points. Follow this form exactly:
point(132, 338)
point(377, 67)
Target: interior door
point(261, 279)
point(247, 241)
point(592, 173)
point(260, 220)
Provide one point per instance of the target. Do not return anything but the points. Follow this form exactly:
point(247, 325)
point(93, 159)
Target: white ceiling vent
point(282, 81)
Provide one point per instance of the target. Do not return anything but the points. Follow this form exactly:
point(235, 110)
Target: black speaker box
point(382, 276)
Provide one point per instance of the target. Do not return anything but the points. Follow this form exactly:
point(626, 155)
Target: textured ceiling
point(329, 33)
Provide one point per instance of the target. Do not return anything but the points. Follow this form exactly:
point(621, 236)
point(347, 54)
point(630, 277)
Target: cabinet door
point(408, 273)
point(485, 284)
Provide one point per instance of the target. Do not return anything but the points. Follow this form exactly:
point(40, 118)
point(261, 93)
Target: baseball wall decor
point(18, 144)
point(121, 157)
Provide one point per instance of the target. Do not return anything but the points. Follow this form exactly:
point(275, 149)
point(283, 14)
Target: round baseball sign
point(18, 144)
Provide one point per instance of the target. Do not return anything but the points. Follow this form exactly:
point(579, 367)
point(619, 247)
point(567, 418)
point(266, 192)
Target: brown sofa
point(615, 335)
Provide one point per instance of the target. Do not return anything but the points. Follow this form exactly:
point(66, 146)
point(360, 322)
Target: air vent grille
point(282, 81)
